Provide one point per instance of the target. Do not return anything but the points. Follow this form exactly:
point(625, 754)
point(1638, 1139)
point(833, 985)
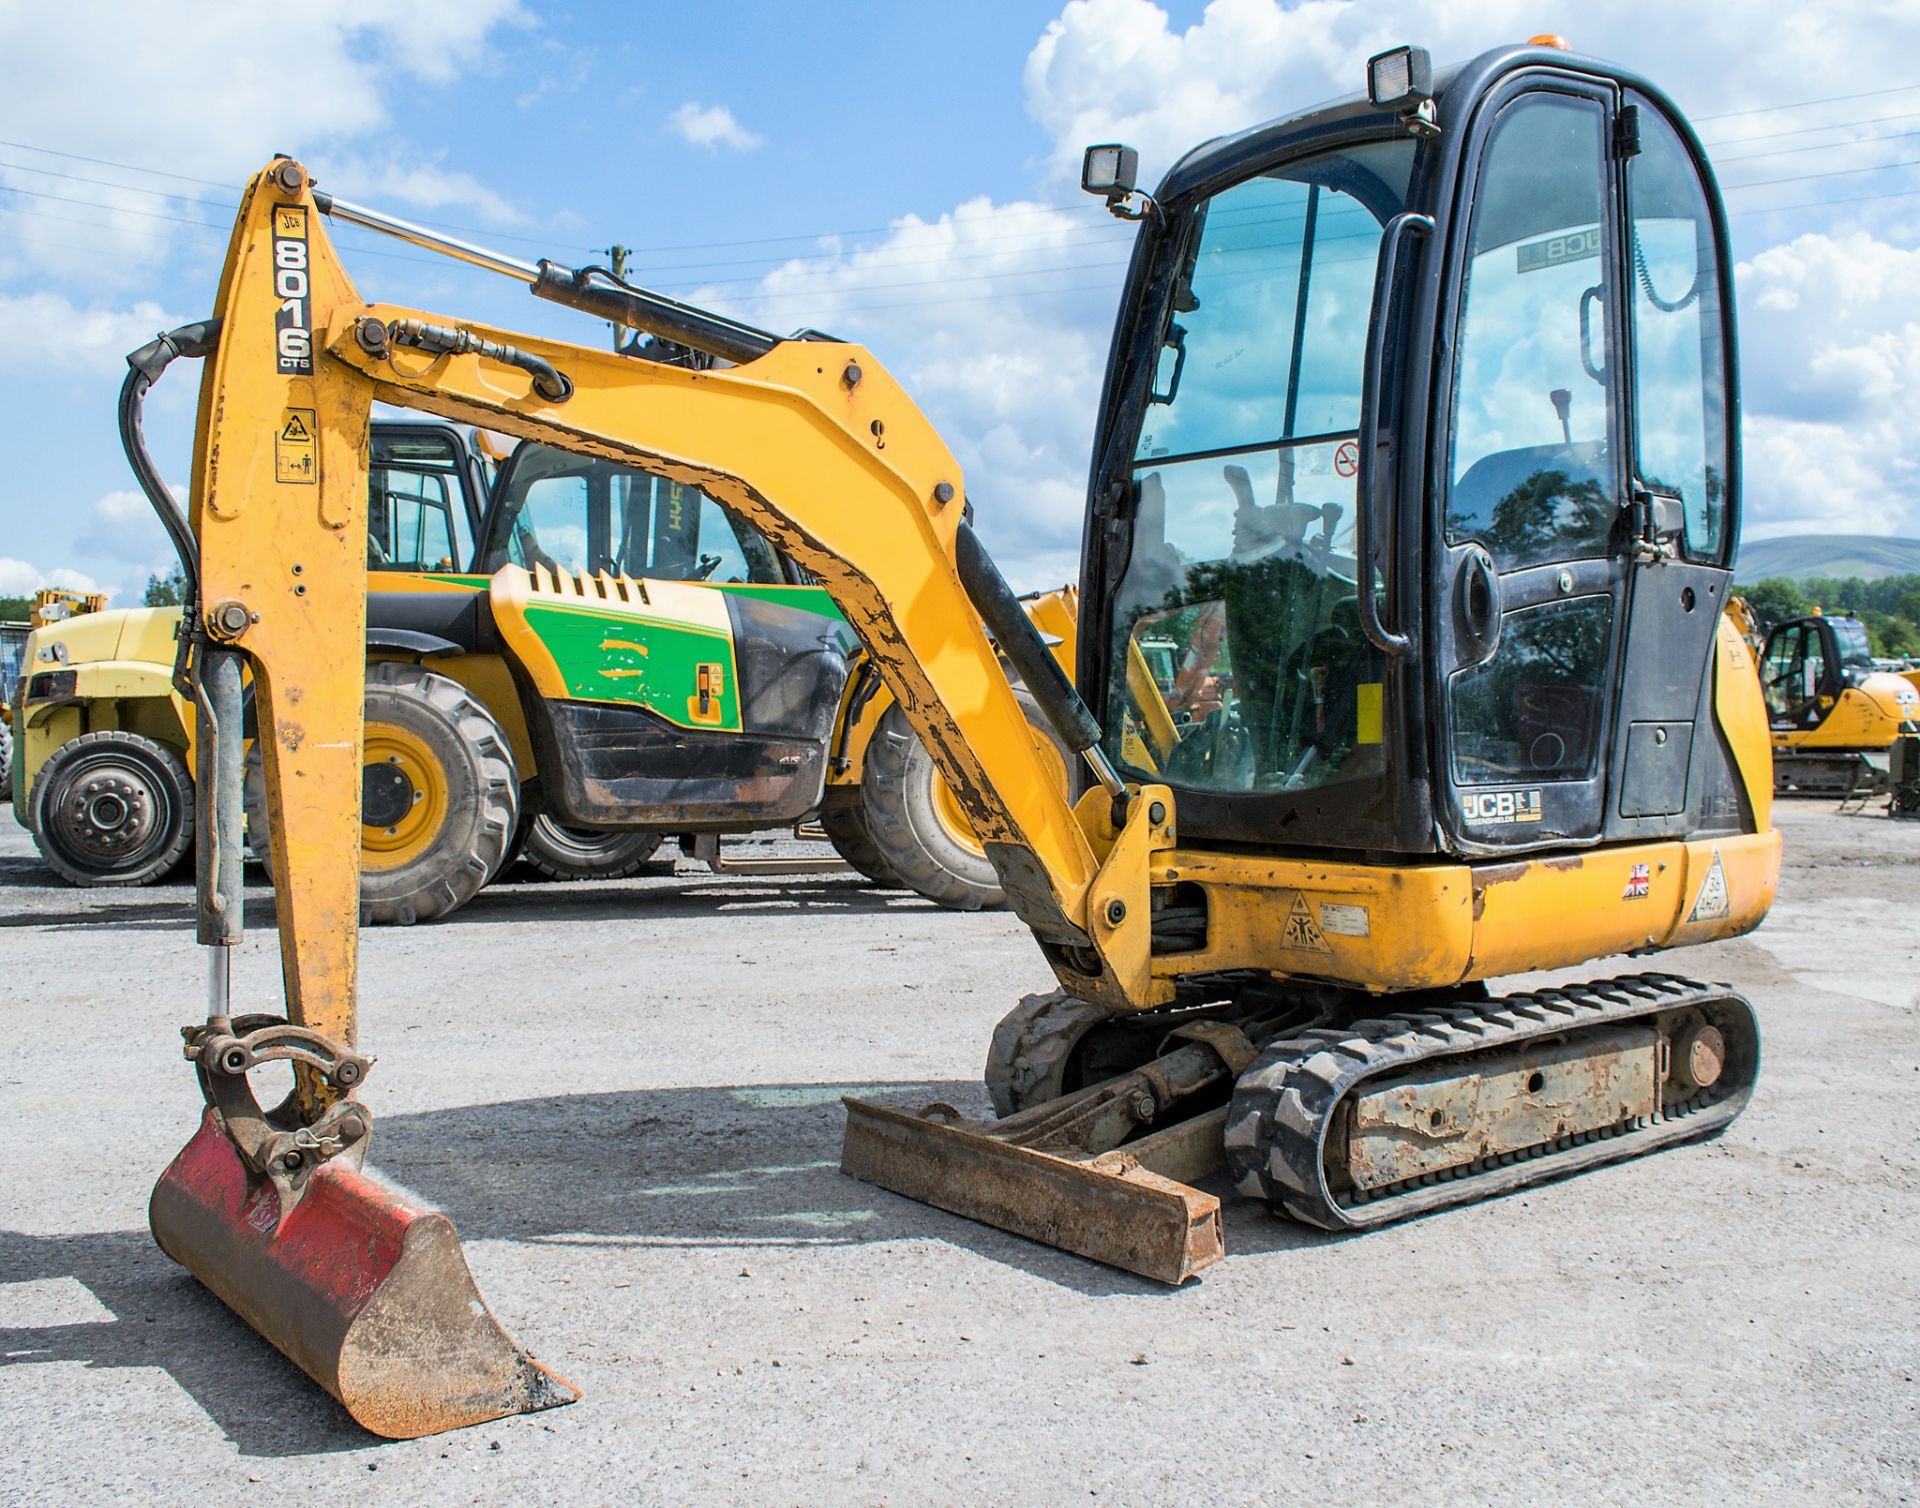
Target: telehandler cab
point(1418, 436)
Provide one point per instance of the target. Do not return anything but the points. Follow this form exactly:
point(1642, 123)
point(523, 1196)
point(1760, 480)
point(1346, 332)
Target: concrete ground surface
point(627, 1097)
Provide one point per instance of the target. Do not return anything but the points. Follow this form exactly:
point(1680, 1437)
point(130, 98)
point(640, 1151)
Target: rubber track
point(1284, 1104)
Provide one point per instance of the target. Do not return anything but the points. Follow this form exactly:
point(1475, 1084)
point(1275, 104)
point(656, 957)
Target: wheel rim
point(953, 821)
point(111, 814)
point(403, 795)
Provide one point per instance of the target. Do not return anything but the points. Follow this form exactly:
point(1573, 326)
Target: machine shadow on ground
point(683, 1168)
point(171, 905)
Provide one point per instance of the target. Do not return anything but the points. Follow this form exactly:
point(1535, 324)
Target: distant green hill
point(1868, 556)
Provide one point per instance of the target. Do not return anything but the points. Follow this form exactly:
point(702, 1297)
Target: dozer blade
point(364, 1290)
point(1112, 1207)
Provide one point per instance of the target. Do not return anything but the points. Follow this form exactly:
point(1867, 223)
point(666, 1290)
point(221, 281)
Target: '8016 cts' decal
point(293, 321)
point(1502, 806)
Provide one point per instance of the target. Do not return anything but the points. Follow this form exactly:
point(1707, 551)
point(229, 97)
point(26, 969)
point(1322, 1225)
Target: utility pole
point(617, 258)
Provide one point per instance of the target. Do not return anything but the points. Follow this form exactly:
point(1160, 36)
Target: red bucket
point(363, 1289)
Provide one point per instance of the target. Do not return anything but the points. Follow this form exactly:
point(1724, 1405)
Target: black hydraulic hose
point(144, 367)
point(595, 290)
point(452, 340)
point(1021, 643)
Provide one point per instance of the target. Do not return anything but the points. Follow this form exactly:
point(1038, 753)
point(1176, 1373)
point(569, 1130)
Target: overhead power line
point(1805, 104)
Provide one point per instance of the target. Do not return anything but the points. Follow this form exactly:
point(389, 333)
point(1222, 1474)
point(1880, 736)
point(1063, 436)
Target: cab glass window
point(413, 492)
point(1239, 664)
point(1531, 476)
point(582, 514)
point(1680, 386)
point(1534, 711)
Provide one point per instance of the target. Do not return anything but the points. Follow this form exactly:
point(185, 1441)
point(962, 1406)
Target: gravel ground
point(628, 1100)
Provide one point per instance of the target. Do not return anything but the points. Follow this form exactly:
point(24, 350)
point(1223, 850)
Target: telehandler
point(465, 766)
point(1420, 414)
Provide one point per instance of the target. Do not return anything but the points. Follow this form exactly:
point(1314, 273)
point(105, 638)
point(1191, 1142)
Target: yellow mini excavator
point(1401, 667)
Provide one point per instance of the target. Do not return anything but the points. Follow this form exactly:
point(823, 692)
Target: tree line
point(1889, 607)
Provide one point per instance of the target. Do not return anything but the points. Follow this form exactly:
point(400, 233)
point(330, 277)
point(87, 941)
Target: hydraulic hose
point(144, 367)
point(1021, 643)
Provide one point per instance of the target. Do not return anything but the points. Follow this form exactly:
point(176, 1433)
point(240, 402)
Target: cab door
point(1529, 566)
point(1795, 676)
point(1588, 476)
point(1667, 759)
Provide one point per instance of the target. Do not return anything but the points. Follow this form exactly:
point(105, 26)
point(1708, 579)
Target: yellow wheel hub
point(403, 797)
point(953, 820)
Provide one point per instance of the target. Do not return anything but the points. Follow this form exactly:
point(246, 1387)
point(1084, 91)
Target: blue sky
point(900, 174)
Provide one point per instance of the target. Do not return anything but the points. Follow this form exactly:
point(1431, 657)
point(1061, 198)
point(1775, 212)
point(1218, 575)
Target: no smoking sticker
point(1346, 460)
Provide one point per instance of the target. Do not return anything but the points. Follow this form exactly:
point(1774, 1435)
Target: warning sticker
point(1714, 903)
point(1301, 930)
point(1346, 460)
point(1343, 921)
point(296, 447)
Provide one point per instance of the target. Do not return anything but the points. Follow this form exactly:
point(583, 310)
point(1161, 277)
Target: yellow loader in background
point(1471, 707)
point(1836, 719)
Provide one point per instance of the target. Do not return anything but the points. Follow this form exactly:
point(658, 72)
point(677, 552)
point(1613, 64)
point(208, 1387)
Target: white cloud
point(711, 126)
point(203, 90)
point(47, 332)
point(120, 527)
point(994, 317)
point(1109, 70)
point(425, 184)
point(19, 579)
point(1831, 357)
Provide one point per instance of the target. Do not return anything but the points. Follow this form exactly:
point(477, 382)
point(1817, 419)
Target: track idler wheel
point(361, 1286)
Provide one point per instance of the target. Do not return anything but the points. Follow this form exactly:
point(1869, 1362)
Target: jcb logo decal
point(1502, 806)
point(293, 321)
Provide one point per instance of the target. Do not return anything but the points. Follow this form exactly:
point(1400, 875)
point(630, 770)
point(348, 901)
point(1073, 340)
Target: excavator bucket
point(366, 1291)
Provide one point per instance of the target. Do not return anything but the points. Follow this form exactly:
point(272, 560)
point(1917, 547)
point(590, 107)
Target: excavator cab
point(1419, 416)
point(1836, 719)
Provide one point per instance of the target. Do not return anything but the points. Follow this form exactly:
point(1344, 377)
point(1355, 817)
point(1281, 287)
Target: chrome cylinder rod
point(592, 291)
point(431, 240)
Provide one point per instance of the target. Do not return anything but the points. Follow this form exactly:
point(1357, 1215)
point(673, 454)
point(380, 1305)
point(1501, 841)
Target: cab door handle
point(1480, 604)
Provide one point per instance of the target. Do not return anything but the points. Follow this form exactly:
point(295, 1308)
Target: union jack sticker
point(1639, 882)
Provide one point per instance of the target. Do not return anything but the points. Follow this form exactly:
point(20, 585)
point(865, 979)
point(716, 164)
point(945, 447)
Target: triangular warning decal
point(1301, 930)
point(296, 430)
point(1714, 903)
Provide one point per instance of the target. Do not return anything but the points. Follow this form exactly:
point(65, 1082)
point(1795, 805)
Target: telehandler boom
point(1415, 473)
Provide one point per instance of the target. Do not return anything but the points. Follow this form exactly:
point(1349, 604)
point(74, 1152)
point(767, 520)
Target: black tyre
point(917, 827)
point(112, 809)
point(439, 797)
point(843, 814)
point(586, 853)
